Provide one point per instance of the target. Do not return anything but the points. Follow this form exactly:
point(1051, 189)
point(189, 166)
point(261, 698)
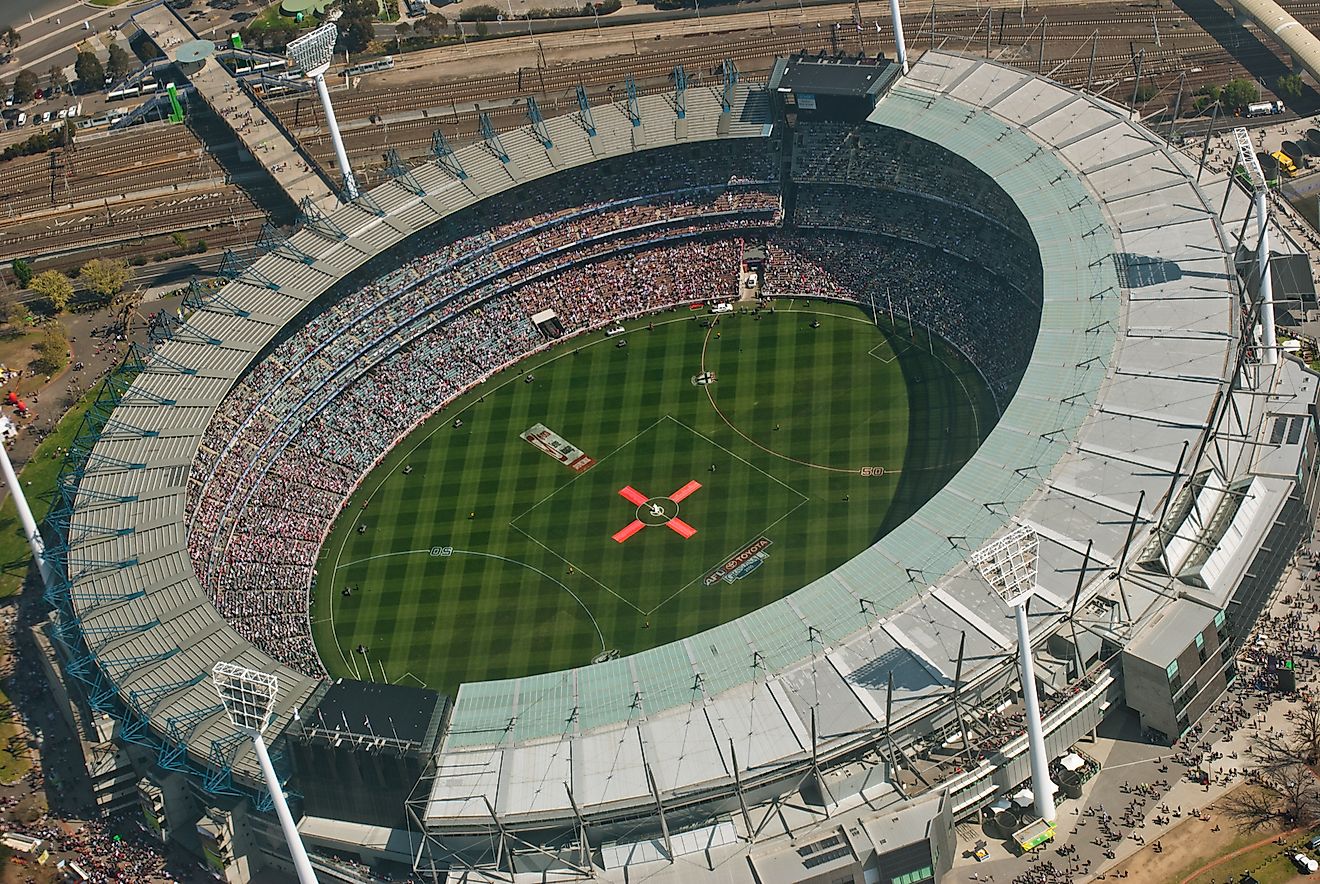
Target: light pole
point(1009, 566)
point(35, 543)
point(313, 53)
point(249, 698)
point(1247, 158)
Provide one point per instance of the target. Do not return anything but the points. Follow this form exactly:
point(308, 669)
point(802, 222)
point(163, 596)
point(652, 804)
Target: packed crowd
point(409, 333)
point(989, 321)
point(107, 850)
point(961, 231)
point(290, 442)
point(887, 159)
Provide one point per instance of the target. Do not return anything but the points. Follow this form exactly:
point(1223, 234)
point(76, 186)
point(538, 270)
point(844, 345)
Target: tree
point(356, 34)
point(485, 12)
point(105, 277)
point(22, 272)
point(89, 70)
point(56, 77)
point(25, 87)
point(52, 349)
point(403, 30)
point(1289, 86)
point(10, 308)
point(10, 38)
point(434, 25)
point(1285, 788)
point(54, 287)
point(120, 63)
point(1238, 94)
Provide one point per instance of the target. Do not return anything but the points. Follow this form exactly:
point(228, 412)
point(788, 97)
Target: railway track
point(1179, 52)
point(211, 210)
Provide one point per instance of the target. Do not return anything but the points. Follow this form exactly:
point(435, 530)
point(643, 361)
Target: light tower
point(35, 542)
point(899, 43)
point(1247, 158)
point(1009, 566)
point(249, 697)
point(312, 53)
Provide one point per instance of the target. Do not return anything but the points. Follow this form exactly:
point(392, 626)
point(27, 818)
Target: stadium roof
point(1125, 372)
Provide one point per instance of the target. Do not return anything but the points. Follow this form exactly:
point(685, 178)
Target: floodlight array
point(1247, 157)
point(247, 695)
point(1009, 563)
point(314, 50)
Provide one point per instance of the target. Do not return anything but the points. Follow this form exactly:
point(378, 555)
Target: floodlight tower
point(1260, 189)
point(35, 543)
point(313, 52)
point(1009, 566)
point(899, 43)
point(249, 697)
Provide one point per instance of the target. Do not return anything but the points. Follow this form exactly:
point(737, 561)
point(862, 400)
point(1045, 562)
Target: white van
point(725, 307)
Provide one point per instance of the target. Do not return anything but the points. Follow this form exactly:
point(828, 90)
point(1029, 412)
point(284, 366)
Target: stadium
point(1034, 262)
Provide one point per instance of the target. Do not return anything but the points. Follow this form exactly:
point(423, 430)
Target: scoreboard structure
point(812, 87)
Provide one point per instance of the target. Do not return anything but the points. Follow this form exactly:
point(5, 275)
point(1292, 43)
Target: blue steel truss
point(137, 729)
point(66, 489)
point(119, 666)
point(178, 730)
point(95, 462)
point(680, 92)
point(445, 156)
point(119, 390)
point(198, 297)
point(634, 108)
point(368, 203)
point(538, 123)
point(219, 777)
point(83, 532)
point(82, 566)
point(312, 218)
point(159, 363)
point(92, 598)
point(234, 267)
point(730, 72)
point(173, 328)
point(112, 631)
point(101, 674)
point(272, 240)
point(491, 139)
point(401, 174)
point(143, 701)
point(584, 112)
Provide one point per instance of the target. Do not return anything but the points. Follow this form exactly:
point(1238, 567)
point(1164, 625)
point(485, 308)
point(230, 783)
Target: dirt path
point(1241, 850)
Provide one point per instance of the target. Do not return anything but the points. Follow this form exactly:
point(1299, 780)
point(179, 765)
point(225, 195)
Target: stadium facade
point(1167, 474)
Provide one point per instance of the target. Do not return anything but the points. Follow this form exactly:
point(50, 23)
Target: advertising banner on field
point(559, 448)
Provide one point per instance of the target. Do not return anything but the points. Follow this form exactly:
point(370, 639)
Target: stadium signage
point(742, 563)
point(556, 446)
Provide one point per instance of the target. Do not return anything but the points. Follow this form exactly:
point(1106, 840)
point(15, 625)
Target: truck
point(1286, 165)
point(1264, 108)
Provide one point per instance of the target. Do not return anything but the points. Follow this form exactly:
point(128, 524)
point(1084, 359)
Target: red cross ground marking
point(656, 511)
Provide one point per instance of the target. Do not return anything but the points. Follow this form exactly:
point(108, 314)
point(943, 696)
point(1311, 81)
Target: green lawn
point(38, 477)
point(492, 560)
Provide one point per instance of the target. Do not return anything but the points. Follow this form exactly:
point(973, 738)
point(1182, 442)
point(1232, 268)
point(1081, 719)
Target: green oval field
point(487, 556)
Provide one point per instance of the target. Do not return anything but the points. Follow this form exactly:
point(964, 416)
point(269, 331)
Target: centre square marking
point(653, 511)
